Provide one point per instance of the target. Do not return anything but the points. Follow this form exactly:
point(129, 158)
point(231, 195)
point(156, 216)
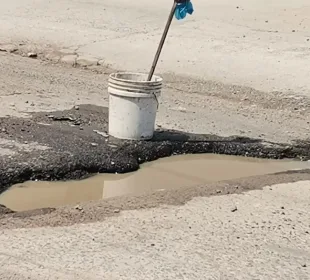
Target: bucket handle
point(156, 100)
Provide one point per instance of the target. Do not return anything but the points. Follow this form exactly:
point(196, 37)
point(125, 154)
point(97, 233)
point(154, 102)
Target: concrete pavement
point(261, 44)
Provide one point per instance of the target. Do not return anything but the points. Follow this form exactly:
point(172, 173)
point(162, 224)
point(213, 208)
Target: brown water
point(168, 173)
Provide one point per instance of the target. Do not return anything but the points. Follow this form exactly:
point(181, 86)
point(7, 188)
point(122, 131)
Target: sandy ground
point(232, 68)
point(261, 234)
point(246, 42)
point(252, 54)
point(205, 107)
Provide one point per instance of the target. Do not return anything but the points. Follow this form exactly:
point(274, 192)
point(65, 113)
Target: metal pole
point(162, 41)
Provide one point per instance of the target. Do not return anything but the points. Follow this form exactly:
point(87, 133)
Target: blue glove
point(183, 9)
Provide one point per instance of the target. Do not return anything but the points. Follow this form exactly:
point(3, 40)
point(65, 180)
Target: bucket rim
point(158, 78)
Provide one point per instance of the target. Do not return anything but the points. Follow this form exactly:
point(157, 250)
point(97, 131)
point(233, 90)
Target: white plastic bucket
point(133, 105)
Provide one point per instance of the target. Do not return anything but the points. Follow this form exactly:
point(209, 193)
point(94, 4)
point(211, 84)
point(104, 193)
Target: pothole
point(167, 173)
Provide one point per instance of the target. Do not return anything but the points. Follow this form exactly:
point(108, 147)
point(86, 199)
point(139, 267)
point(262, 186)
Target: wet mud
point(79, 146)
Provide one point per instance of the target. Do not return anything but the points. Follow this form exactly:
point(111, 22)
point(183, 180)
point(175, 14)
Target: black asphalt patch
point(80, 146)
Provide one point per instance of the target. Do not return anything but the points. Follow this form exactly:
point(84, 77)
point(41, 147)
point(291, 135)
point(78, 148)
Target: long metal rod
point(162, 41)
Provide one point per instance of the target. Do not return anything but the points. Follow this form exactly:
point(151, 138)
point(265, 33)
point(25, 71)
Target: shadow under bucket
point(133, 103)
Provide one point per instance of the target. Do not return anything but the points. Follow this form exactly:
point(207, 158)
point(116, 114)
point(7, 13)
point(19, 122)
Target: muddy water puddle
point(168, 173)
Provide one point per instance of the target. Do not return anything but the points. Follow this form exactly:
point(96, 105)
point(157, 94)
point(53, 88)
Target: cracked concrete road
point(264, 45)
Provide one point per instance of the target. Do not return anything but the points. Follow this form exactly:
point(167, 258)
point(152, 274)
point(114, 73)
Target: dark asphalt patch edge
point(128, 157)
point(77, 152)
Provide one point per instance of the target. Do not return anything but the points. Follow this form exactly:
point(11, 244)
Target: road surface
point(233, 68)
point(261, 44)
point(262, 234)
